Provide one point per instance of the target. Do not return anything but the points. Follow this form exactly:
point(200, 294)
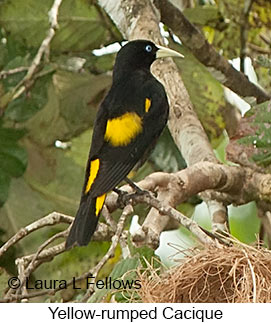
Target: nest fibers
point(238, 274)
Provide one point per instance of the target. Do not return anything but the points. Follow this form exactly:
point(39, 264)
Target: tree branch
point(19, 69)
point(243, 33)
point(128, 209)
point(193, 39)
point(231, 184)
point(50, 219)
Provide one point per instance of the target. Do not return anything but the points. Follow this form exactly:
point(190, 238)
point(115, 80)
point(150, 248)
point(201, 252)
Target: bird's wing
point(113, 169)
point(115, 163)
point(118, 145)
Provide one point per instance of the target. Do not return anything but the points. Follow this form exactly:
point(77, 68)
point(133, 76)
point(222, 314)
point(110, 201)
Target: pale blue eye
point(148, 48)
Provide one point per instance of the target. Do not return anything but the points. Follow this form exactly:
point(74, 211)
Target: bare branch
point(165, 209)
point(20, 69)
point(243, 33)
point(128, 209)
point(50, 219)
point(34, 263)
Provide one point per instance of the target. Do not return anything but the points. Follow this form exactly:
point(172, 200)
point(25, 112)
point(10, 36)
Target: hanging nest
point(237, 274)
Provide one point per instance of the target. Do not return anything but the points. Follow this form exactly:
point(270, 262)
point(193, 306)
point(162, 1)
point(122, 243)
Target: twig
point(34, 263)
point(115, 240)
point(19, 69)
point(178, 216)
point(259, 49)
point(243, 34)
point(53, 13)
point(265, 38)
point(103, 233)
point(22, 86)
point(50, 219)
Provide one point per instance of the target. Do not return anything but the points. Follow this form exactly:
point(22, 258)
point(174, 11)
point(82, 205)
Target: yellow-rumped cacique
point(127, 126)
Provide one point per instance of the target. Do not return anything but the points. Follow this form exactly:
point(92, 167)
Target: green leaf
point(166, 156)
point(121, 268)
point(81, 26)
point(244, 222)
point(28, 104)
point(13, 159)
point(71, 107)
point(4, 186)
point(124, 266)
point(202, 15)
point(13, 79)
point(206, 94)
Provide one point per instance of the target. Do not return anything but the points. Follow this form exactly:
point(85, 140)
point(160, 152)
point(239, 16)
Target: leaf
point(72, 103)
point(29, 21)
point(13, 159)
point(28, 104)
point(202, 15)
point(10, 81)
point(124, 266)
point(244, 222)
point(166, 156)
point(206, 93)
point(4, 186)
point(118, 272)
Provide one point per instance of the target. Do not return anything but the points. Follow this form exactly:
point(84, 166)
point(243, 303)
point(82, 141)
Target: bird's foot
point(137, 189)
point(123, 197)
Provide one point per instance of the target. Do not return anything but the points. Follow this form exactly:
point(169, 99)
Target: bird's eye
point(148, 48)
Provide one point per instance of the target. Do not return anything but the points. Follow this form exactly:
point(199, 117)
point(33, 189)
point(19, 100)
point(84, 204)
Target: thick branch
point(229, 184)
point(193, 39)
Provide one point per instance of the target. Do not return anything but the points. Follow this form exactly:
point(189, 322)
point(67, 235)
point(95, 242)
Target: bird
point(128, 124)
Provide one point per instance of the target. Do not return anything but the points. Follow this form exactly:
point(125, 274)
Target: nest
point(237, 274)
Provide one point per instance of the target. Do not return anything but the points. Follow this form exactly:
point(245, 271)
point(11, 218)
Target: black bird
point(127, 126)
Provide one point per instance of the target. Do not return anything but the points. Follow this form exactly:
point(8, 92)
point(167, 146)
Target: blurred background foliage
point(45, 132)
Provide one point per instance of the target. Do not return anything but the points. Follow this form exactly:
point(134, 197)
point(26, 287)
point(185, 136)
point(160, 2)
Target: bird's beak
point(166, 52)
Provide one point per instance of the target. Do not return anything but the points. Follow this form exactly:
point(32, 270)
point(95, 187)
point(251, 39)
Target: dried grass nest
point(237, 274)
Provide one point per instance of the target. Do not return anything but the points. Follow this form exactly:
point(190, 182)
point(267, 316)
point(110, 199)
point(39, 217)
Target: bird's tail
point(85, 222)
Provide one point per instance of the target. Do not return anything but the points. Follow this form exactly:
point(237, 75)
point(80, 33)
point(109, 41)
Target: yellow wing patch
point(94, 168)
point(147, 105)
point(99, 203)
point(122, 130)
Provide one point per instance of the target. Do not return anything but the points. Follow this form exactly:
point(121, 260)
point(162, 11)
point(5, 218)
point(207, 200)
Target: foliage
point(261, 138)
point(13, 159)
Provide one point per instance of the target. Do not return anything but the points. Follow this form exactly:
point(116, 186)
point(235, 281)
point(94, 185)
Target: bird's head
point(140, 54)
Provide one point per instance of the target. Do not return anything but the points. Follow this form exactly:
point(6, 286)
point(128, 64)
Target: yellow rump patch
point(94, 168)
point(147, 105)
point(122, 130)
point(99, 203)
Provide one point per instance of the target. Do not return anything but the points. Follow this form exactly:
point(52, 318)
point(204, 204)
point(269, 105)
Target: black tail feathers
point(84, 224)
